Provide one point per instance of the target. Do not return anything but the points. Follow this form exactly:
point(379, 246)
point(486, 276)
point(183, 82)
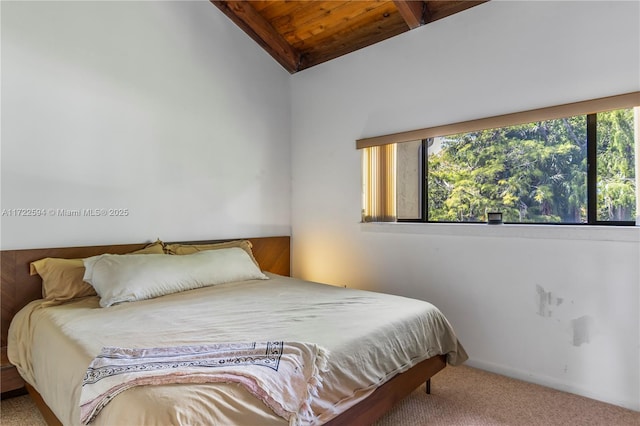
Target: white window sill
point(557, 232)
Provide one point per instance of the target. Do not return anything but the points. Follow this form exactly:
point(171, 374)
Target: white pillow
point(126, 278)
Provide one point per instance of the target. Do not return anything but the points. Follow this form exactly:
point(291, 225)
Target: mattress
point(369, 337)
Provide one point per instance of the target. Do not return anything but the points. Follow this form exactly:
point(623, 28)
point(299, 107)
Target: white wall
point(555, 305)
point(166, 109)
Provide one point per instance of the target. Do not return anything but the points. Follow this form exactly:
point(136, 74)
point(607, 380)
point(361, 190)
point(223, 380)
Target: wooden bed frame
point(272, 253)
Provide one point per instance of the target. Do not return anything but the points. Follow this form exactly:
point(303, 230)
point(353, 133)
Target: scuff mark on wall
point(546, 302)
point(582, 329)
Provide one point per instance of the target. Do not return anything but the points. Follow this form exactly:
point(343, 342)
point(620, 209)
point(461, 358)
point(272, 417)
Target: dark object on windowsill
point(494, 218)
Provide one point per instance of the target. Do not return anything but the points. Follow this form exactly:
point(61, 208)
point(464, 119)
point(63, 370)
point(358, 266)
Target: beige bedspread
point(370, 338)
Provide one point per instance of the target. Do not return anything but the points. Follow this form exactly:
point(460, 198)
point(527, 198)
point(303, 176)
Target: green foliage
point(535, 172)
point(616, 166)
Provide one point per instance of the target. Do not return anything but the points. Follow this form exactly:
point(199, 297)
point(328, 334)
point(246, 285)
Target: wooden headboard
point(19, 288)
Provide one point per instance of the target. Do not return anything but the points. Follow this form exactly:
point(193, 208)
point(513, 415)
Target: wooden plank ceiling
point(302, 33)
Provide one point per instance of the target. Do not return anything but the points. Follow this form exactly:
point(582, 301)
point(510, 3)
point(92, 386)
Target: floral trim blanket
point(284, 375)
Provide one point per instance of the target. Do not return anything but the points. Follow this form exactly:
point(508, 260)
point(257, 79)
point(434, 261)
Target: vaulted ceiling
point(302, 33)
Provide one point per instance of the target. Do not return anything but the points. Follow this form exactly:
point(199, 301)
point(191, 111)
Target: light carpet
point(459, 396)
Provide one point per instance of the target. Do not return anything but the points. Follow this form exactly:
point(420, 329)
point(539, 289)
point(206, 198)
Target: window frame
point(592, 185)
point(588, 108)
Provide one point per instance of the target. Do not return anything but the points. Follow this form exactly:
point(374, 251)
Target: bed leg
point(428, 386)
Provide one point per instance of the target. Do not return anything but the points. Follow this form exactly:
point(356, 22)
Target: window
point(574, 169)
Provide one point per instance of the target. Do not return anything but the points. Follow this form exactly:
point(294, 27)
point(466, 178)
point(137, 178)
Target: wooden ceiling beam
point(427, 16)
point(261, 31)
point(412, 12)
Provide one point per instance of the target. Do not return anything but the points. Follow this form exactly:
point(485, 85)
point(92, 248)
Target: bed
point(390, 346)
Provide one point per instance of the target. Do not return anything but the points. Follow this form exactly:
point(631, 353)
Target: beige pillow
point(127, 278)
point(62, 278)
point(194, 248)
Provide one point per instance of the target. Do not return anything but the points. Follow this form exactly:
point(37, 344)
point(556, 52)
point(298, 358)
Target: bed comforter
point(369, 337)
